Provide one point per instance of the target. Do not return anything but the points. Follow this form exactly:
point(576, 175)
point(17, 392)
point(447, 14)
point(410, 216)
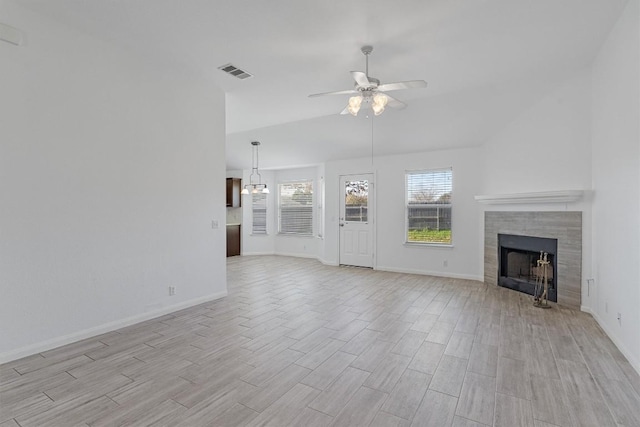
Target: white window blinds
point(259, 212)
point(295, 208)
point(428, 206)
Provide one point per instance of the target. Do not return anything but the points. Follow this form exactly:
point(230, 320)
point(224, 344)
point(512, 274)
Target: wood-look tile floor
point(299, 343)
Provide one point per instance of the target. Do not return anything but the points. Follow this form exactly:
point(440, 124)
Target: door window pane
point(356, 203)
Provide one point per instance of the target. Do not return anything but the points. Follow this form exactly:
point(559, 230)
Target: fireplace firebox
point(517, 263)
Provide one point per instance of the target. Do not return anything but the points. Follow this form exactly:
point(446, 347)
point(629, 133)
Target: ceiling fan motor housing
point(366, 49)
point(373, 84)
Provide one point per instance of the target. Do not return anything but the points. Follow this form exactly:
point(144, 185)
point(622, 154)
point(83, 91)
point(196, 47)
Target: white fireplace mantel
point(564, 196)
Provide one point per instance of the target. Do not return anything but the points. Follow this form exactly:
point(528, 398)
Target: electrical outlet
point(215, 224)
point(172, 290)
point(445, 263)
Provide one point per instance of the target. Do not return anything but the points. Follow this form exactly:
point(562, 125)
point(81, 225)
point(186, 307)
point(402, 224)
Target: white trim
point(297, 255)
point(101, 329)
point(257, 253)
point(565, 196)
point(428, 245)
point(432, 273)
point(329, 263)
point(635, 364)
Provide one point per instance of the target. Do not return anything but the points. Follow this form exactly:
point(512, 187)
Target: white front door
point(356, 220)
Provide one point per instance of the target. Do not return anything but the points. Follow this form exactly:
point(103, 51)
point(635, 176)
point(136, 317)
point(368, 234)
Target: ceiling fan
point(369, 91)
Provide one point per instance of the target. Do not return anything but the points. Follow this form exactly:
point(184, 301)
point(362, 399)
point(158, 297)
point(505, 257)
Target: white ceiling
point(484, 60)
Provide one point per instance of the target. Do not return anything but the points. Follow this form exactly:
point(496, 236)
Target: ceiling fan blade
point(361, 78)
point(339, 92)
point(395, 103)
point(411, 84)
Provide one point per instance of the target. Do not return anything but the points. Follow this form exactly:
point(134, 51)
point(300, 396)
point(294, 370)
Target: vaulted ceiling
point(484, 61)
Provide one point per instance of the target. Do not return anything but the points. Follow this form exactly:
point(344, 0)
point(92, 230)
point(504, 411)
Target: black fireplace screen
point(517, 263)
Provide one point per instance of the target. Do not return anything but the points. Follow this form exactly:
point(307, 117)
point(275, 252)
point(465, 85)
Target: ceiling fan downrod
point(366, 50)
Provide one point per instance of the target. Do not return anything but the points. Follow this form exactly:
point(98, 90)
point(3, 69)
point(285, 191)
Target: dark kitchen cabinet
point(233, 192)
point(233, 240)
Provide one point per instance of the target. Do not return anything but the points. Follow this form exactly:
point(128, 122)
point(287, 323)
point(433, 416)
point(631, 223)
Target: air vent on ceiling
point(235, 71)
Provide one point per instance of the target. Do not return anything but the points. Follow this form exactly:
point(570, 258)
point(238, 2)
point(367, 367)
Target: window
point(428, 206)
point(295, 208)
point(356, 201)
point(259, 211)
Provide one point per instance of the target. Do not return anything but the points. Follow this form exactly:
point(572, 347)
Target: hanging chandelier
point(259, 187)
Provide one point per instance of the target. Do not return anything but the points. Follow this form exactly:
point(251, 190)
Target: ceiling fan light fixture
point(354, 105)
point(380, 101)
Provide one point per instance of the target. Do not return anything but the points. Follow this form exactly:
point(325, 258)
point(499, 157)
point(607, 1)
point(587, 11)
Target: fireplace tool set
point(540, 294)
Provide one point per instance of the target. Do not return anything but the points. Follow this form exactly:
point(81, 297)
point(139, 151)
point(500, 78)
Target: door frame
point(372, 207)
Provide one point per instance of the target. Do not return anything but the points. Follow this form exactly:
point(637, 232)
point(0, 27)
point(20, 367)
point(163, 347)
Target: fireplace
point(518, 263)
point(565, 227)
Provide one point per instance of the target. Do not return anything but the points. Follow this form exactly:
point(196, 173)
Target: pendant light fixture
point(251, 187)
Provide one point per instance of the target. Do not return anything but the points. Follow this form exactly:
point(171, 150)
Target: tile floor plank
point(427, 358)
point(449, 375)
point(335, 397)
point(477, 398)
point(406, 396)
point(437, 409)
point(296, 342)
point(512, 412)
point(361, 409)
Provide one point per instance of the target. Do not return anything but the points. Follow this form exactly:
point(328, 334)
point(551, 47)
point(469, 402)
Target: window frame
point(311, 209)
point(435, 205)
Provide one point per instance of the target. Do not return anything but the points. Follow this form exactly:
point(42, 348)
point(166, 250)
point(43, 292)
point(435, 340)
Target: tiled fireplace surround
point(564, 226)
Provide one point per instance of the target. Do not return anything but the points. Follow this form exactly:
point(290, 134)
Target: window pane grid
point(428, 206)
point(295, 209)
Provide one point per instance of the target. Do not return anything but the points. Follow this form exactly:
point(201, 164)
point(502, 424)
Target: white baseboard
point(296, 255)
point(107, 327)
point(587, 310)
point(635, 363)
point(431, 273)
point(257, 253)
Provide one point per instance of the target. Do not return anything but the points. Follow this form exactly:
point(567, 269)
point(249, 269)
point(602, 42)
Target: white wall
point(546, 148)
point(111, 171)
point(616, 184)
point(392, 253)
